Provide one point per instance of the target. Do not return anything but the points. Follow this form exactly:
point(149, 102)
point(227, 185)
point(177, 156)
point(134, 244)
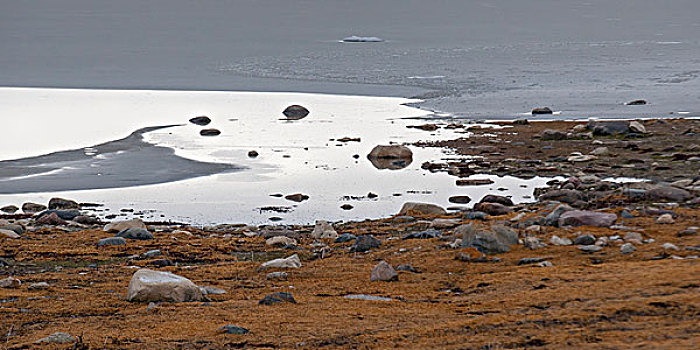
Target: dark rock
point(345, 237)
point(233, 329)
point(253, 154)
point(50, 219)
point(420, 209)
point(688, 232)
point(485, 241)
point(277, 298)
point(636, 103)
point(210, 132)
point(552, 218)
point(162, 263)
point(63, 214)
point(62, 203)
point(135, 233)
point(296, 197)
point(346, 206)
point(383, 272)
point(16, 228)
point(668, 193)
point(393, 157)
point(475, 215)
point(529, 261)
point(474, 182)
point(589, 218)
point(372, 195)
point(553, 135)
point(423, 235)
point(31, 208)
point(201, 120)
point(407, 268)
point(542, 110)
point(494, 209)
point(584, 240)
point(459, 199)
point(10, 209)
point(521, 122)
point(111, 241)
point(87, 220)
point(564, 196)
point(365, 243)
point(492, 198)
point(606, 128)
point(295, 112)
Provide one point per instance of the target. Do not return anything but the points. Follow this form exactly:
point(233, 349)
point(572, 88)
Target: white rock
point(123, 225)
point(324, 230)
point(292, 262)
point(665, 219)
point(444, 223)
point(556, 240)
point(280, 241)
point(637, 127)
point(581, 158)
point(8, 234)
point(156, 286)
point(627, 248)
point(10, 282)
point(601, 151)
point(669, 246)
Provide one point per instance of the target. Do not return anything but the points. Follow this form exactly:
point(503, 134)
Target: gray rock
point(494, 209)
point(444, 223)
point(606, 128)
point(585, 217)
point(365, 243)
point(151, 254)
point(545, 263)
point(63, 214)
point(505, 234)
point(111, 241)
point(669, 246)
point(62, 203)
point(10, 282)
point(295, 112)
point(391, 157)
point(637, 127)
point(668, 193)
point(492, 198)
point(532, 242)
point(366, 297)
point(277, 276)
point(420, 209)
point(58, 337)
point(39, 286)
point(556, 240)
point(16, 228)
point(277, 298)
point(292, 262)
point(590, 248)
point(564, 196)
point(549, 134)
point(157, 286)
point(406, 268)
point(324, 230)
point(87, 220)
point(475, 215)
point(233, 329)
point(383, 272)
point(584, 240)
point(31, 208)
point(423, 235)
point(627, 248)
point(485, 241)
point(633, 236)
point(345, 237)
point(135, 233)
point(118, 226)
point(212, 291)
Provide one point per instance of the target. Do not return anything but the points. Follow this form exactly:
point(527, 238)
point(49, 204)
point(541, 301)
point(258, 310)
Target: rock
point(346, 206)
point(521, 122)
point(274, 232)
point(9, 234)
point(135, 233)
point(474, 182)
point(111, 241)
point(636, 103)
point(391, 157)
point(564, 196)
point(585, 217)
point(485, 241)
point(606, 128)
point(545, 263)
point(10, 282)
point(530, 261)
point(362, 39)
point(407, 268)
point(492, 198)
point(627, 248)
point(162, 263)
point(62, 214)
point(423, 235)
point(10, 209)
point(584, 240)
point(579, 158)
point(277, 298)
point(39, 286)
point(532, 242)
point(668, 193)
point(665, 219)
point(118, 226)
point(50, 219)
point(459, 199)
point(296, 197)
point(601, 151)
point(150, 254)
point(233, 329)
point(475, 215)
point(212, 291)
point(31, 208)
point(277, 276)
point(421, 209)
point(295, 112)
point(156, 286)
point(553, 135)
point(253, 154)
point(210, 132)
point(542, 110)
point(637, 127)
point(629, 236)
point(556, 240)
point(669, 246)
point(505, 234)
point(201, 120)
point(62, 203)
point(87, 220)
point(324, 230)
point(690, 231)
point(345, 237)
point(365, 243)
point(578, 128)
point(291, 262)
point(383, 272)
point(590, 248)
point(552, 219)
point(494, 209)
point(58, 337)
point(281, 241)
point(366, 297)
point(444, 223)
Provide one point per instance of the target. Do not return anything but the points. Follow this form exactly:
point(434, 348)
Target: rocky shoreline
point(591, 263)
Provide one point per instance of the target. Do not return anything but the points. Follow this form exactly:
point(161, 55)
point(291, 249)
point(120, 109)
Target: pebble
point(529, 261)
point(111, 241)
point(277, 298)
point(277, 276)
point(590, 248)
point(669, 246)
point(633, 235)
point(584, 240)
point(556, 240)
point(533, 243)
point(38, 286)
point(665, 219)
point(366, 297)
point(545, 263)
point(627, 248)
point(233, 329)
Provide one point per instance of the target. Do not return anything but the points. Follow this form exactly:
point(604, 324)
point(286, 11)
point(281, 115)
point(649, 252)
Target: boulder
point(383, 272)
point(606, 128)
point(210, 132)
point(50, 219)
point(494, 209)
point(365, 243)
point(459, 199)
point(421, 209)
point(564, 196)
point(201, 120)
point(62, 203)
point(118, 226)
point(553, 135)
point(295, 112)
point(637, 127)
point(18, 229)
point(277, 298)
point(668, 193)
point(391, 157)
point(31, 208)
point(486, 242)
point(292, 262)
point(62, 214)
point(10, 282)
point(8, 234)
point(324, 230)
point(542, 110)
point(505, 234)
point(135, 233)
point(156, 286)
point(585, 217)
point(9, 209)
point(281, 241)
point(492, 198)
point(296, 197)
point(111, 241)
point(552, 219)
point(636, 103)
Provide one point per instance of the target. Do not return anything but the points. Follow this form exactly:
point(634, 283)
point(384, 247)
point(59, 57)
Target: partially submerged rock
point(157, 286)
point(201, 120)
point(391, 157)
point(62, 203)
point(420, 209)
point(295, 112)
point(542, 110)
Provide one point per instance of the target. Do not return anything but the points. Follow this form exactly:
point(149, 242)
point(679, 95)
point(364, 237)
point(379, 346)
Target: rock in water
point(62, 203)
point(31, 208)
point(118, 226)
point(542, 110)
point(589, 218)
point(292, 262)
point(362, 39)
point(295, 112)
point(324, 230)
point(636, 103)
point(419, 209)
point(201, 120)
point(391, 157)
point(210, 132)
point(156, 286)
point(492, 198)
point(10, 209)
point(297, 197)
point(459, 199)
point(383, 272)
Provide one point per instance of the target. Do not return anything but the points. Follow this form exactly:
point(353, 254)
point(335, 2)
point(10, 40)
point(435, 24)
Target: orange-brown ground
point(604, 300)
